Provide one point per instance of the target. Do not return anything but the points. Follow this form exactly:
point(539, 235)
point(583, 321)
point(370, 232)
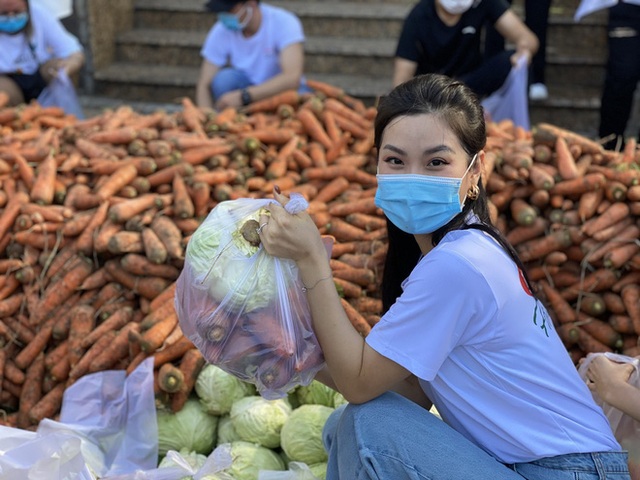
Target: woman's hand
point(293, 236)
point(604, 376)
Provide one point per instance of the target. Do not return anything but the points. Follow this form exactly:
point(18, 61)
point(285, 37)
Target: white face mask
point(456, 7)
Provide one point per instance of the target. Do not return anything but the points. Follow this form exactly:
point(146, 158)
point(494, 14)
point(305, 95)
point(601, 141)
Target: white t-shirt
point(488, 356)
point(49, 39)
point(258, 55)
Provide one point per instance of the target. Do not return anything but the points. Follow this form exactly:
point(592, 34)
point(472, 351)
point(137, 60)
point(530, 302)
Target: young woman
point(465, 332)
point(35, 46)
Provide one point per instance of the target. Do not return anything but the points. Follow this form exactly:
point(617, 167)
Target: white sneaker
point(538, 91)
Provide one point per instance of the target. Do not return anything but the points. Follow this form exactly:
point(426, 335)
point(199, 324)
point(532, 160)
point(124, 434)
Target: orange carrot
point(117, 349)
point(48, 405)
point(588, 203)
point(118, 179)
point(42, 191)
point(579, 185)
point(622, 324)
point(154, 248)
point(614, 213)
point(356, 318)
point(596, 281)
point(270, 104)
point(81, 326)
point(191, 365)
point(560, 309)
point(589, 344)
point(169, 234)
point(600, 330)
point(314, 128)
point(169, 378)
point(141, 265)
point(120, 135)
point(31, 391)
point(148, 287)
point(630, 295)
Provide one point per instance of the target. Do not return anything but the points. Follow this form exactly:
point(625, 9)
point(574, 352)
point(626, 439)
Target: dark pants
point(622, 71)
point(490, 76)
point(30, 85)
point(537, 19)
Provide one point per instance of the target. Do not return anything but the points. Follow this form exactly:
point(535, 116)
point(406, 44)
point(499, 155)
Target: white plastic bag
point(244, 309)
point(107, 426)
point(217, 461)
point(625, 428)
point(60, 92)
point(296, 471)
point(587, 7)
point(511, 100)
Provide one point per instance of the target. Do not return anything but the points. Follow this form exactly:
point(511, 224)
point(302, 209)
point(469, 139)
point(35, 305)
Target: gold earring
point(473, 192)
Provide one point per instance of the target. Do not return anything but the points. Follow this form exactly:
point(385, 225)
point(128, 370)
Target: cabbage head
point(339, 400)
point(315, 393)
point(226, 432)
point(301, 435)
point(191, 428)
point(217, 389)
point(195, 461)
point(249, 458)
point(258, 420)
point(319, 470)
point(218, 255)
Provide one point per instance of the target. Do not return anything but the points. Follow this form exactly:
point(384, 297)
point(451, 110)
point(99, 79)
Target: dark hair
point(460, 108)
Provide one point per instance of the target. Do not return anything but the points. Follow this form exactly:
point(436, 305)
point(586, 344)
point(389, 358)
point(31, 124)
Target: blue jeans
point(228, 79)
point(393, 438)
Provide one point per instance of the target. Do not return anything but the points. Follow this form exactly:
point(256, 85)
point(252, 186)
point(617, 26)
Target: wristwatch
point(245, 96)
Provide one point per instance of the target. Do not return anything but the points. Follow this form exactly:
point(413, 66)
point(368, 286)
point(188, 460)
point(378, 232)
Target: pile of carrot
point(95, 215)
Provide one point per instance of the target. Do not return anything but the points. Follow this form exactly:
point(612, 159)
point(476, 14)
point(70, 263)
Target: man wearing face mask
point(35, 48)
point(253, 51)
point(443, 36)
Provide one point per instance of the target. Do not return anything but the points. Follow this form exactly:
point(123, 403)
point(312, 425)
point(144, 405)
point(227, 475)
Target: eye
point(437, 162)
point(394, 161)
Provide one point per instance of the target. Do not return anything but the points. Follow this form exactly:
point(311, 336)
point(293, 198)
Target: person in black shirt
point(443, 36)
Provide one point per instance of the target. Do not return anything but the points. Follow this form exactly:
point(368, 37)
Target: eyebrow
point(429, 151)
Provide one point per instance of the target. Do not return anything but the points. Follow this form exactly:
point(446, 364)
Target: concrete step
point(318, 18)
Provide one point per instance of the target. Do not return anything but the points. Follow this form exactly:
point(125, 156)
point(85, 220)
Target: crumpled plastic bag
point(296, 471)
point(587, 7)
point(60, 92)
point(107, 426)
point(217, 461)
point(511, 100)
point(625, 428)
point(244, 309)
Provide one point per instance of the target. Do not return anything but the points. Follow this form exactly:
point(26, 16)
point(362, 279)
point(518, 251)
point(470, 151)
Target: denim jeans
point(228, 79)
point(393, 438)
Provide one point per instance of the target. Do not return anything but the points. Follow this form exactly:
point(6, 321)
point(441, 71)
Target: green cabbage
point(319, 470)
point(315, 393)
point(249, 458)
point(226, 431)
point(339, 400)
point(301, 434)
point(195, 461)
point(218, 255)
point(258, 420)
point(191, 428)
point(217, 389)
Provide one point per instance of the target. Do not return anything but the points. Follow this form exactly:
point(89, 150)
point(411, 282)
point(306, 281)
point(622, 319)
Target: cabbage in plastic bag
point(244, 309)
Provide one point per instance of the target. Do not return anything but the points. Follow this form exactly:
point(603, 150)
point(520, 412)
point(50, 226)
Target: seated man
point(443, 36)
point(35, 47)
point(252, 52)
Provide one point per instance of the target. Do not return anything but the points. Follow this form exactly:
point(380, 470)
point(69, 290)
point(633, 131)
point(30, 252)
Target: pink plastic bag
point(625, 428)
point(244, 309)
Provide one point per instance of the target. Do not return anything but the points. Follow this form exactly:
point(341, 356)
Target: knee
point(227, 80)
point(12, 90)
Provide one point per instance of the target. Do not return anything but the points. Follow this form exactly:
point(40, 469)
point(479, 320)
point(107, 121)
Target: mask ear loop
point(474, 191)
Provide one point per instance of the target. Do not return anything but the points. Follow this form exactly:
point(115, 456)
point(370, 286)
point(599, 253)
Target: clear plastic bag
point(60, 92)
point(244, 309)
point(296, 471)
point(510, 101)
point(625, 428)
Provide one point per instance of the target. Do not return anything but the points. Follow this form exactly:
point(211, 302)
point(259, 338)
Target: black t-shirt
point(438, 48)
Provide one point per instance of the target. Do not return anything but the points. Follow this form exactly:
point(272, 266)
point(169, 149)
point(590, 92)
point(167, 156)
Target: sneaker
point(538, 91)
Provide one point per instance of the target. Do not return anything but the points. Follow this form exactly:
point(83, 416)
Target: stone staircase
point(349, 44)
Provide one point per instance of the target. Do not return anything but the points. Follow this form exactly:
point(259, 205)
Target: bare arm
point(358, 372)
point(291, 66)
point(204, 98)
point(403, 70)
point(610, 380)
point(71, 64)
point(517, 33)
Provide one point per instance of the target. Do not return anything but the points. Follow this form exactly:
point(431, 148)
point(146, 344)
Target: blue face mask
point(232, 21)
point(419, 204)
point(13, 23)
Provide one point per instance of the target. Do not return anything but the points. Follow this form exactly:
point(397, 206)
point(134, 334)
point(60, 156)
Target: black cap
point(221, 5)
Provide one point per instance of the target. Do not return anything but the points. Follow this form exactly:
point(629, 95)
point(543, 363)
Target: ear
point(479, 167)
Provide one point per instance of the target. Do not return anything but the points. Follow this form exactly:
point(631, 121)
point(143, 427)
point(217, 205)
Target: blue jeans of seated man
point(392, 438)
point(228, 79)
